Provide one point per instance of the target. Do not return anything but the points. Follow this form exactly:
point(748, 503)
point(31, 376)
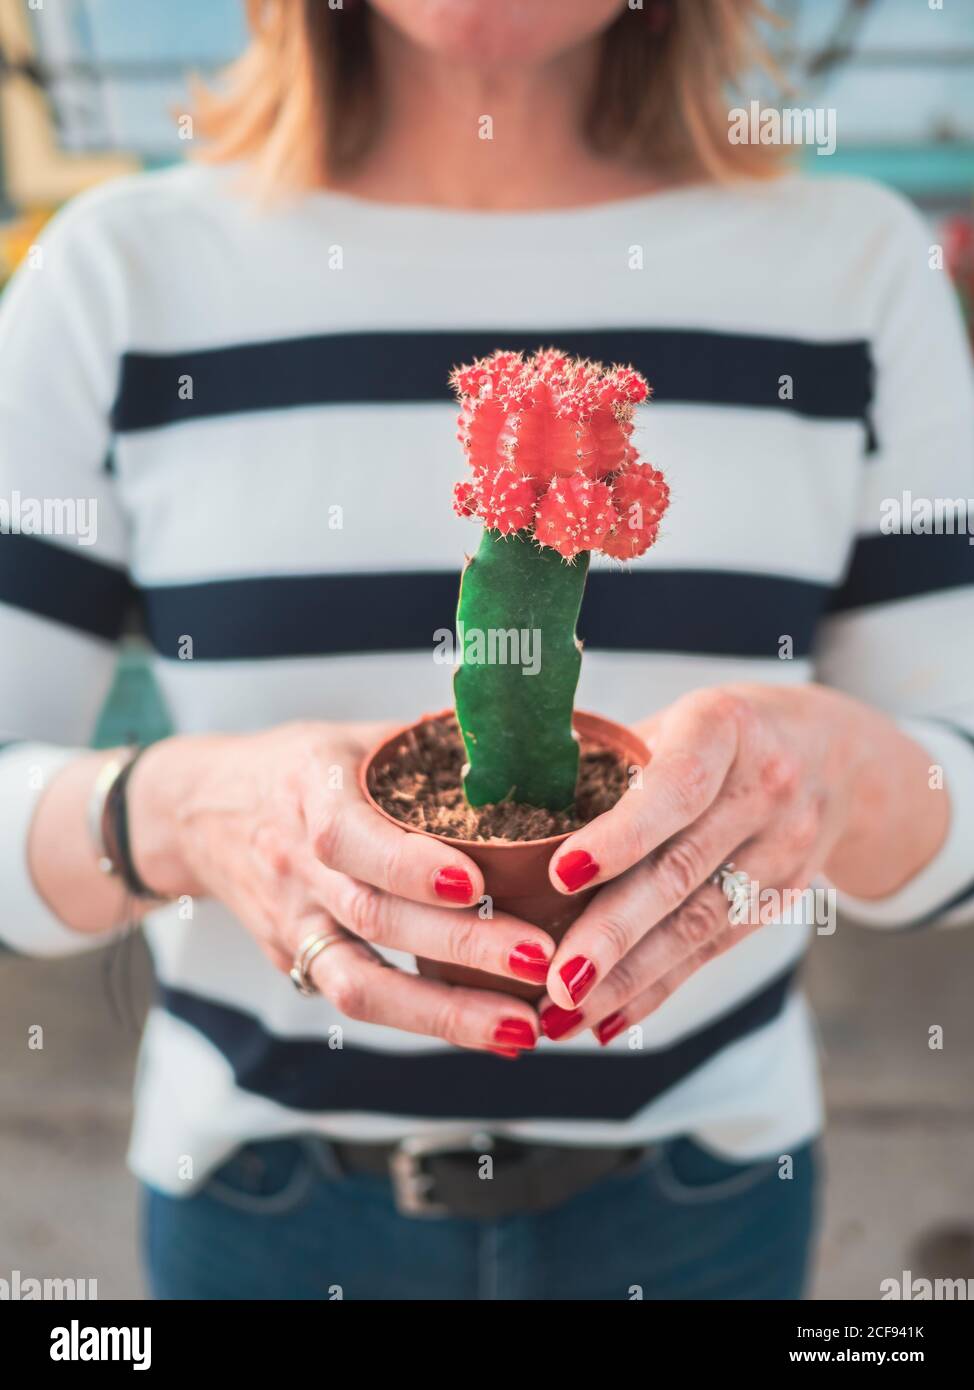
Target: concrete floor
point(900, 1148)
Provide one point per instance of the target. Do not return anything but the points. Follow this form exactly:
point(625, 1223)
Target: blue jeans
point(275, 1222)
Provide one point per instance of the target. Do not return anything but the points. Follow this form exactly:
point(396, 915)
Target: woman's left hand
point(785, 782)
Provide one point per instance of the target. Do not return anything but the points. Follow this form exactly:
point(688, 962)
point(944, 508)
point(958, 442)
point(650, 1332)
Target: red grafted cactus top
point(548, 439)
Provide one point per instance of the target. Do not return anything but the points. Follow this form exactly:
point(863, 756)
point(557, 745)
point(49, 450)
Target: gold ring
point(311, 947)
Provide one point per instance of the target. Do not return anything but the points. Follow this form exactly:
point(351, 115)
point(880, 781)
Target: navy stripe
point(832, 380)
point(884, 568)
point(705, 612)
point(308, 1074)
point(708, 612)
point(67, 585)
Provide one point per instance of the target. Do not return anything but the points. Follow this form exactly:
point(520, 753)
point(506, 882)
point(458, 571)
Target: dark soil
point(422, 788)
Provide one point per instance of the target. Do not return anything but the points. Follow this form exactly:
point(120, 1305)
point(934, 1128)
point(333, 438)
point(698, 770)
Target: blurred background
point(89, 89)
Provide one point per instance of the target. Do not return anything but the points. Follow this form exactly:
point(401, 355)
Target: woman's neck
point(477, 139)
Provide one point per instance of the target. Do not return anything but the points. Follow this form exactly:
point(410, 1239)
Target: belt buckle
point(412, 1183)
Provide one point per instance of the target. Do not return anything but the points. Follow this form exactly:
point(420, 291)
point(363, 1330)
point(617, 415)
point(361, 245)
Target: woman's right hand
point(275, 826)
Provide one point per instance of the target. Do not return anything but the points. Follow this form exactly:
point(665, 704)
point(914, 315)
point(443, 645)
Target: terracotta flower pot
point(515, 871)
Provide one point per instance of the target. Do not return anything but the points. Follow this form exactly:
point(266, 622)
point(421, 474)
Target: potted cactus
point(554, 476)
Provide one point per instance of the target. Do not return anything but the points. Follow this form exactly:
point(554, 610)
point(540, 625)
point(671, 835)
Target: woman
point(243, 363)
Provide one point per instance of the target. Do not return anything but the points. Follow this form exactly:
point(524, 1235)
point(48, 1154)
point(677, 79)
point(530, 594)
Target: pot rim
point(494, 842)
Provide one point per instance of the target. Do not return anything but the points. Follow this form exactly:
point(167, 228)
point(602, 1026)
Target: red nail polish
point(610, 1028)
point(453, 885)
point(555, 1022)
point(579, 976)
point(576, 868)
point(514, 1032)
point(528, 961)
point(511, 1053)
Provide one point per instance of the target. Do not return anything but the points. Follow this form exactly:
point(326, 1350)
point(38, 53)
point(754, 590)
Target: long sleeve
point(899, 633)
point(64, 589)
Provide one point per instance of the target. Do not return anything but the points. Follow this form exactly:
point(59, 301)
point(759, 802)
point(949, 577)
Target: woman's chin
point(490, 34)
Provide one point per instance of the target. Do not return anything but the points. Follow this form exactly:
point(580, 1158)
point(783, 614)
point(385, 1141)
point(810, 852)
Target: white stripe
point(239, 696)
point(952, 869)
point(707, 261)
point(38, 698)
point(26, 771)
point(907, 657)
point(341, 498)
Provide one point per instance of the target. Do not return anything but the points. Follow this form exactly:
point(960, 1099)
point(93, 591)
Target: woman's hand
point(275, 826)
point(785, 783)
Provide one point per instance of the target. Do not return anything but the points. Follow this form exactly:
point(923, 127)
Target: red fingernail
point(555, 1022)
point(576, 868)
point(454, 885)
point(514, 1032)
point(610, 1028)
point(579, 976)
point(529, 962)
point(511, 1053)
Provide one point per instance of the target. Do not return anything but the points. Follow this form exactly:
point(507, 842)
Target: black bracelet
point(115, 833)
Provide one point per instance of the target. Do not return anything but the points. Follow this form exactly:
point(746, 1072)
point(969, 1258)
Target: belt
point(479, 1176)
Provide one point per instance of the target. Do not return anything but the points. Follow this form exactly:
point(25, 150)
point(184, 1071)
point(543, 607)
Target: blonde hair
point(301, 105)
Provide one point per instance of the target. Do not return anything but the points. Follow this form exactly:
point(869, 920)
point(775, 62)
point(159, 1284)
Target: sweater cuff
point(27, 924)
point(945, 886)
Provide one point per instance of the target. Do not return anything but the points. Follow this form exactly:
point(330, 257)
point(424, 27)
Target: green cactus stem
point(520, 600)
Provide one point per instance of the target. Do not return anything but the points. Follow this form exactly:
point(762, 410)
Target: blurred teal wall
point(134, 711)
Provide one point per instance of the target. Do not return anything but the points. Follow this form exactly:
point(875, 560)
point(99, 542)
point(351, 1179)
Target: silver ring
point(736, 887)
point(311, 947)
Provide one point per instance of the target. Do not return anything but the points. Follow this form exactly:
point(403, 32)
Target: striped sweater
point(252, 404)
